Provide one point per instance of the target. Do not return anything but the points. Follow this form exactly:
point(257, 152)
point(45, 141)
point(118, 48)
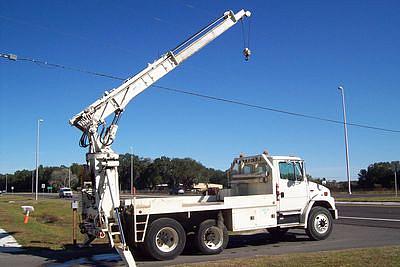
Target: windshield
point(65, 189)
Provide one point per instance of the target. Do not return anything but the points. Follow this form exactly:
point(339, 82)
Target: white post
point(341, 89)
point(131, 171)
point(395, 180)
point(37, 157)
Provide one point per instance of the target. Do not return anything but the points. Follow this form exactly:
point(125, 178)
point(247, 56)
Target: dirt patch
point(48, 218)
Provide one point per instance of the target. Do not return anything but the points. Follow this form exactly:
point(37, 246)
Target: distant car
point(65, 192)
point(176, 191)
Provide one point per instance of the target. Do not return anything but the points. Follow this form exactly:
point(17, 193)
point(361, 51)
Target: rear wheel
point(165, 239)
point(211, 239)
point(319, 224)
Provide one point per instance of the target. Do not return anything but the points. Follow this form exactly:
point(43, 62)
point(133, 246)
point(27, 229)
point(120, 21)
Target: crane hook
point(246, 53)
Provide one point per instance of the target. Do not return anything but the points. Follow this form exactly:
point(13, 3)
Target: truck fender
point(318, 202)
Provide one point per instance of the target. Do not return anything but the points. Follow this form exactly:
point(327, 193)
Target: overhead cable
point(191, 93)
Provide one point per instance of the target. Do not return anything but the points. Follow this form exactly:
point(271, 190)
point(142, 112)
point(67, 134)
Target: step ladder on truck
point(101, 209)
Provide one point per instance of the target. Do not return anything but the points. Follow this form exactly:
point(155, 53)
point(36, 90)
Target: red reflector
point(326, 194)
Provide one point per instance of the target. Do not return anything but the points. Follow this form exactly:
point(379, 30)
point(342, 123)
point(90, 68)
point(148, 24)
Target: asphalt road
point(361, 226)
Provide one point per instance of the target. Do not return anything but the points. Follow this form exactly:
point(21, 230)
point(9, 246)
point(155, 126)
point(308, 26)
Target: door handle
point(282, 194)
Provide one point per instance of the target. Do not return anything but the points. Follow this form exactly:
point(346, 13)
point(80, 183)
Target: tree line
point(379, 175)
point(147, 173)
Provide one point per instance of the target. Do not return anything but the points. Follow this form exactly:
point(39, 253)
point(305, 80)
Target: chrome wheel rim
point(167, 239)
point(321, 223)
point(213, 237)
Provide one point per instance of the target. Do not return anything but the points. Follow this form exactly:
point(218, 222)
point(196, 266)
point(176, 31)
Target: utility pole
point(69, 177)
point(132, 171)
point(32, 182)
point(6, 183)
point(37, 157)
point(346, 143)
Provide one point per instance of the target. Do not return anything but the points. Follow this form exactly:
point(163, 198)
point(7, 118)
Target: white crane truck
point(266, 192)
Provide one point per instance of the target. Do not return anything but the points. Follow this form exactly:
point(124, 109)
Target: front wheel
point(319, 224)
point(211, 239)
point(165, 239)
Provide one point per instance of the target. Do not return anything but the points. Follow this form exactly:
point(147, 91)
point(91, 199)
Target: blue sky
point(302, 50)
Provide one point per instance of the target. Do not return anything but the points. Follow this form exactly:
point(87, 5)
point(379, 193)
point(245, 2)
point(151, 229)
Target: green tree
point(380, 174)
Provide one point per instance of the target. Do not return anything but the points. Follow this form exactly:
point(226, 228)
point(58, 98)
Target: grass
point(368, 199)
point(50, 225)
point(383, 256)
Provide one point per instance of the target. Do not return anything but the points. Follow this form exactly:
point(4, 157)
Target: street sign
point(74, 204)
point(49, 187)
point(43, 186)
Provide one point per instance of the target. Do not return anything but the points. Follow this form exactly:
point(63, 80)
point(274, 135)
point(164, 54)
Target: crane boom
point(117, 99)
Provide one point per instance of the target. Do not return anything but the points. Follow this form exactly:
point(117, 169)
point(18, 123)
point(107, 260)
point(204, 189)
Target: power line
point(48, 64)
point(85, 38)
point(191, 93)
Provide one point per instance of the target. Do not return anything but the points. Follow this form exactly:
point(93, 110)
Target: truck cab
point(299, 202)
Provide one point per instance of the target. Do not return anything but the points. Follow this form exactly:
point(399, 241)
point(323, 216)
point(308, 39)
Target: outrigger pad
point(126, 256)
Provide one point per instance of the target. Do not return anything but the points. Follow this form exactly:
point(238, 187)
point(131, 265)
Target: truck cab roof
point(284, 158)
point(256, 158)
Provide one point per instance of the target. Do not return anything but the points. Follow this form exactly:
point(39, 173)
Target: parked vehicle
point(65, 192)
point(267, 192)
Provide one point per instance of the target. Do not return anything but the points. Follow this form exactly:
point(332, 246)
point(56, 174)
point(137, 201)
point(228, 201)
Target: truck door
point(293, 189)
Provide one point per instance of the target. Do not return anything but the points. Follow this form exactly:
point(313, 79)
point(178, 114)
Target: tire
point(165, 239)
point(319, 223)
point(211, 239)
point(277, 232)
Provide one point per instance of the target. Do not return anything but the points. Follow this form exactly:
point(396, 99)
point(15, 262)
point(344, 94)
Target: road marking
point(8, 242)
point(369, 219)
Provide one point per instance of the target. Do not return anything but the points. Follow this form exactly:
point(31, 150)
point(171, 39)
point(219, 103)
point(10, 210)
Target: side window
point(286, 170)
point(260, 169)
point(235, 169)
point(247, 169)
point(298, 171)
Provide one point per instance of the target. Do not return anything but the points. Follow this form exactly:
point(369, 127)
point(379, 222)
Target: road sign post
point(395, 180)
point(395, 168)
point(74, 206)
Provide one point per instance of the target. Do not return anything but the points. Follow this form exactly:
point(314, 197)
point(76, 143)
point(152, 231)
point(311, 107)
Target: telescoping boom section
point(116, 100)
point(100, 196)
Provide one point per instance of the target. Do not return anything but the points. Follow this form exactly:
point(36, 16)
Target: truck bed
point(161, 205)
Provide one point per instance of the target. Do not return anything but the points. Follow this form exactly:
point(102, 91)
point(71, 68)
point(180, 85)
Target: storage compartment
point(253, 218)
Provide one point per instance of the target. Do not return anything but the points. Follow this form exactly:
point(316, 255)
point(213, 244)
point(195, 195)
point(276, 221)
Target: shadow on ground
point(103, 255)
